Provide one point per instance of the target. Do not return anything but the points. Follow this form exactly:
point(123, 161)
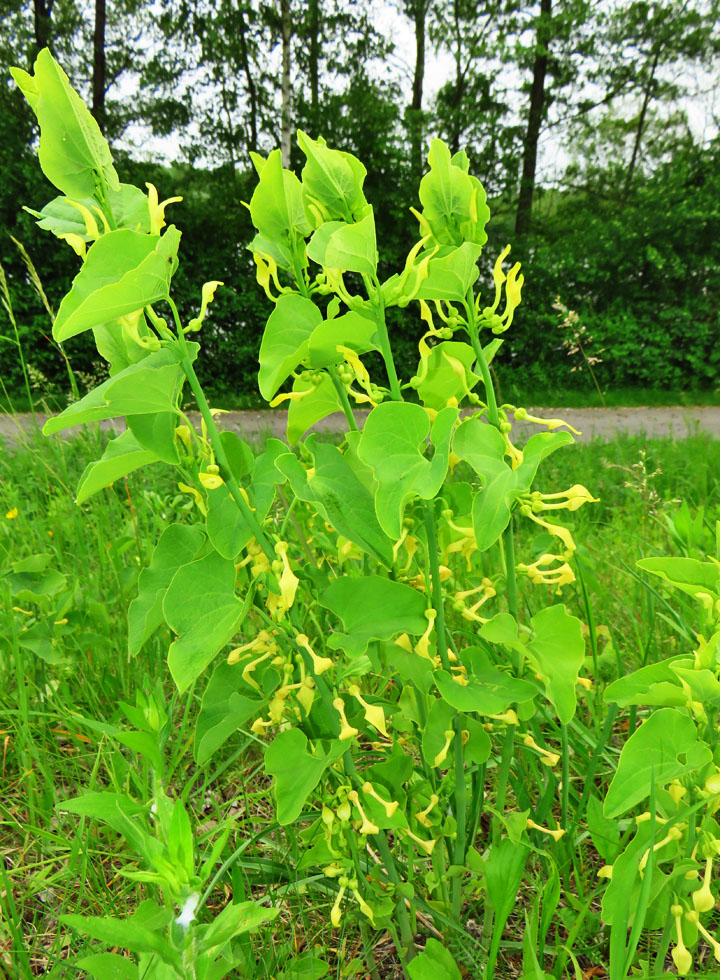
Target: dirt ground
point(593, 423)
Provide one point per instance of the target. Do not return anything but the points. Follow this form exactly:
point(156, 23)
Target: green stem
point(510, 577)
point(442, 646)
point(370, 963)
point(390, 869)
point(460, 816)
point(344, 400)
point(104, 194)
point(476, 804)
point(503, 776)
point(216, 441)
point(385, 348)
point(565, 793)
point(406, 934)
point(434, 562)
point(494, 416)
point(481, 359)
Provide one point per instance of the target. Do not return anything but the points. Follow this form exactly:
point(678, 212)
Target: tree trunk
point(418, 11)
point(252, 137)
point(314, 32)
point(42, 12)
point(641, 125)
point(459, 83)
point(286, 117)
point(523, 218)
point(98, 78)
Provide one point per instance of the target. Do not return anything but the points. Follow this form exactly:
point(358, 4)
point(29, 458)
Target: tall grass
point(655, 497)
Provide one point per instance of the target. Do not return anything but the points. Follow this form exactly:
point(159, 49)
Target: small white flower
point(187, 915)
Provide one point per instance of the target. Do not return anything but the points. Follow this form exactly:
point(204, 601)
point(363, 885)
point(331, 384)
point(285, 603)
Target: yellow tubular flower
point(555, 834)
point(335, 281)
point(290, 396)
point(91, 228)
point(557, 529)
point(211, 481)
point(499, 277)
point(367, 826)
point(196, 495)
point(306, 694)
point(448, 518)
point(411, 547)
point(374, 714)
point(514, 454)
point(547, 758)
point(425, 229)
point(422, 647)
point(576, 496)
point(364, 907)
point(259, 726)
point(335, 912)
point(422, 816)
point(320, 664)
point(208, 295)
point(356, 366)
point(76, 243)
point(266, 271)
point(277, 707)
point(540, 575)
point(130, 327)
point(508, 717)
point(426, 845)
point(182, 432)
point(681, 956)
point(465, 546)
point(390, 807)
point(412, 276)
point(644, 817)
point(606, 871)
point(672, 835)
point(399, 543)
point(703, 899)
point(442, 754)
point(101, 215)
point(522, 415)
point(513, 288)
point(288, 580)
point(404, 642)
point(249, 668)
point(711, 940)
point(157, 210)
point(12, 514)
point(712, 784)
point(346, 730)
point(459, 675)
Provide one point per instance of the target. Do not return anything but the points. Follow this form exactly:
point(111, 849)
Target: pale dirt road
point(593, 423)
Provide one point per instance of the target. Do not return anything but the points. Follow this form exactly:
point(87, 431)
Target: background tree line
point(579, 116)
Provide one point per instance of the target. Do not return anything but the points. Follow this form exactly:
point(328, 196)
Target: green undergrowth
point(655, 497)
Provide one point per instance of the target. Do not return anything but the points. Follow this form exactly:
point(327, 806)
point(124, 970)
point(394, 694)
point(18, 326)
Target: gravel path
point(593, 423)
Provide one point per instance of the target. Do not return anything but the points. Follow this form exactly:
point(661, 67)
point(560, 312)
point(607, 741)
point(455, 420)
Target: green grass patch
point(656, 497)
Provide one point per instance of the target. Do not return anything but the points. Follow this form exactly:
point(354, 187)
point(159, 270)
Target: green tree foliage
point(624, 233)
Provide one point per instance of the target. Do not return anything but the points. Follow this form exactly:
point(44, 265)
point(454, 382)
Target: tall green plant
point(358, 604)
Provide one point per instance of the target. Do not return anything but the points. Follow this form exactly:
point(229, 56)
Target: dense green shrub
point(642, 274)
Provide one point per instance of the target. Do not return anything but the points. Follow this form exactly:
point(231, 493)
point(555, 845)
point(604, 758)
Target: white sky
point(703, 107)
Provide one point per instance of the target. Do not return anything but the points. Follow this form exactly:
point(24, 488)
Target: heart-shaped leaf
point(200, 605)
point(665, 747)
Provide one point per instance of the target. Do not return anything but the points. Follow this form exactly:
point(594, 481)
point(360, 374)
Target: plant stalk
point(344, 400)
point(494, 417)
point(216, 441)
